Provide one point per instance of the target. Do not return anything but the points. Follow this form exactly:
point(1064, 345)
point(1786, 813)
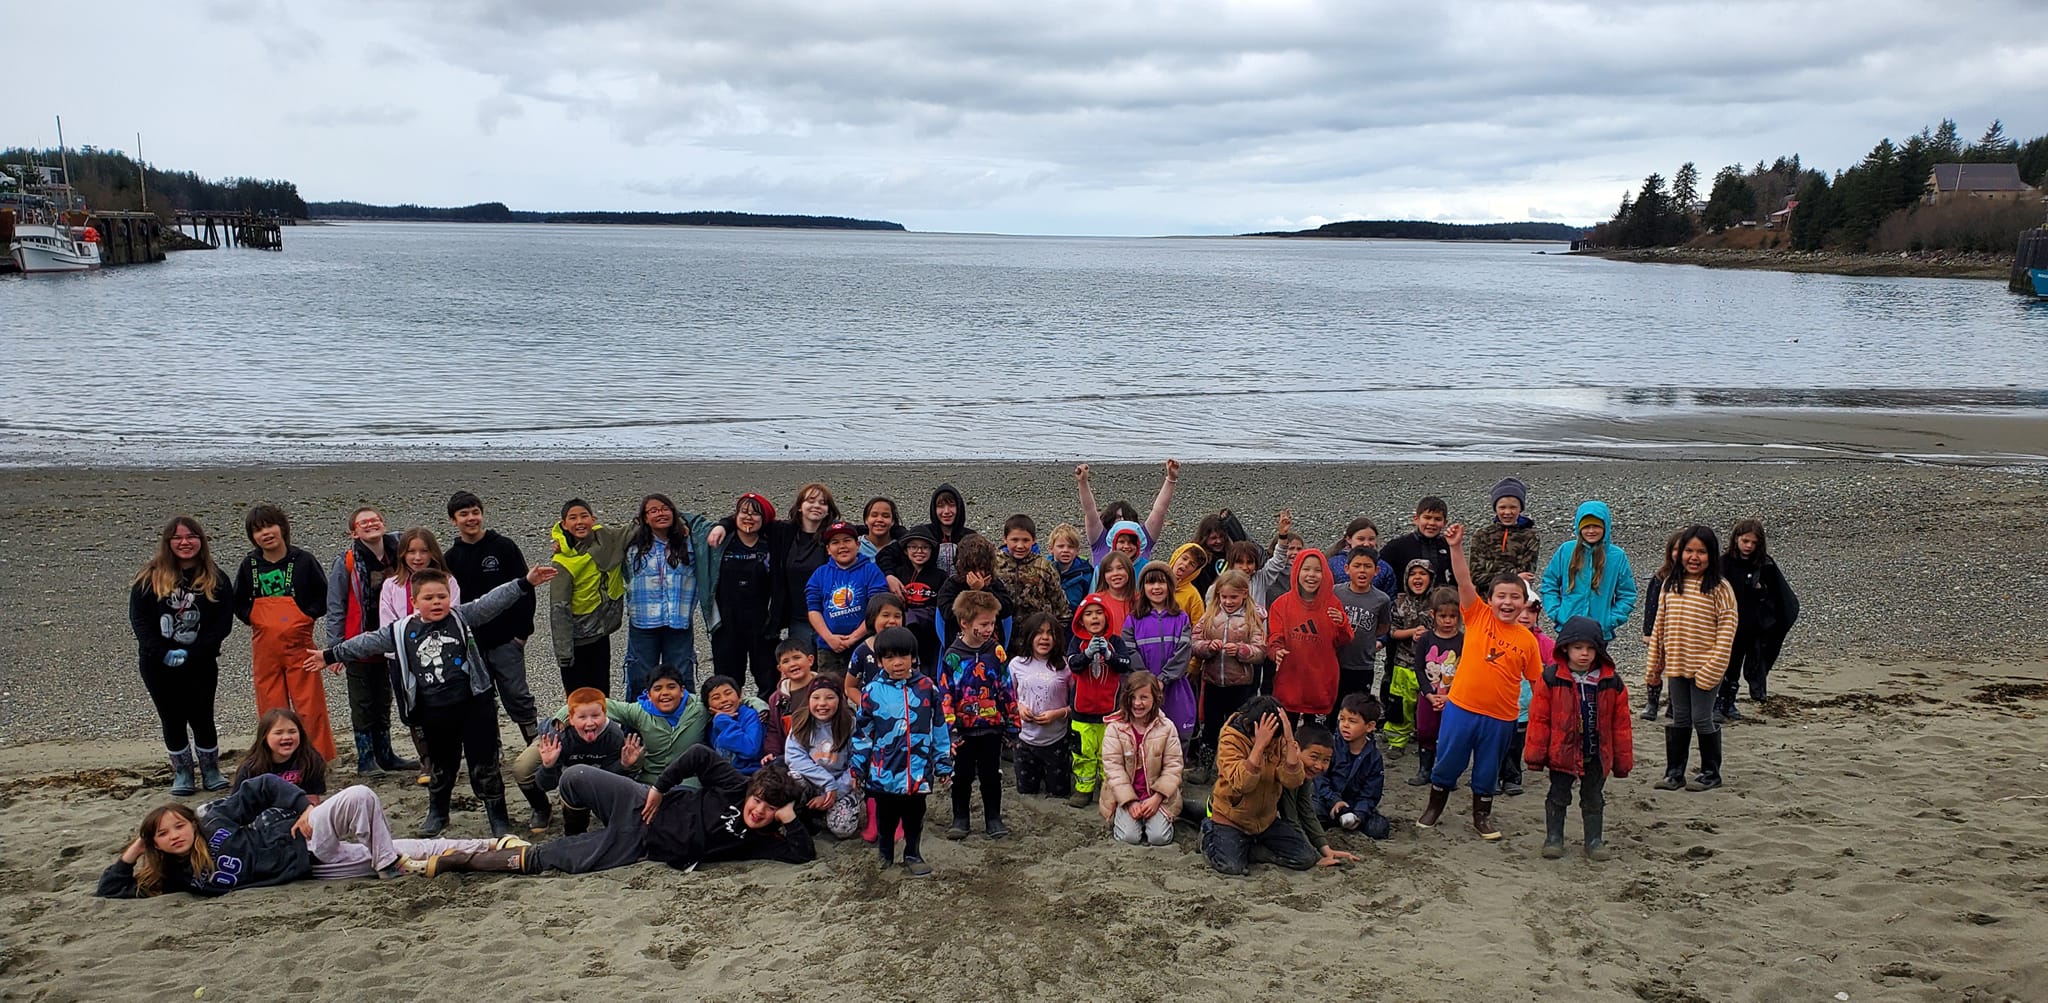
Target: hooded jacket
point(1224, 668)
point(1244, 798)
point(1033, 583)
point(1096, 676)
point(1155, 748)
point(1609, 601)
point(900, 741)
point(1499, 549)
point(1409, 612)
point(1163, 642)
point(391, 640)
point(839, 595)
point(1310, 632)
point(355, 583)
point(1411, 545)
point(249, 833)
point(948, 537)
point(586, 601)
point(981, 696)
point(187, 619)
point(1137, 563)
point(1557, 732)
point(1188, 594)
point(707, 823)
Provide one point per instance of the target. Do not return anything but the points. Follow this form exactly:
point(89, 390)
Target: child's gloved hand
point(1098, 648)
point(175, 658)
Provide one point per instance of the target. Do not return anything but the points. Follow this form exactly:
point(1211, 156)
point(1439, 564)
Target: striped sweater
point(1693, 634)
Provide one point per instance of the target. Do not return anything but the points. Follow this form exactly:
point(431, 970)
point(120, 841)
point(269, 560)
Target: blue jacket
point(1608, 602)
point(900, 741)
point(1076, 579)
point(840, 595)
point(1357, 780)
point(737, 737)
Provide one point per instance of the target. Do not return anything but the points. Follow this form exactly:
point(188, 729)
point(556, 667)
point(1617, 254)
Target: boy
point(983, 712)
point(1303, 635)
point(1033, 583)
point(901, 748)
point(1579, 727)
point(1188, 561)
point(1075, 571)
point(668, 721)
point(441, 682)
point(1298, 803)
point(1426, 541)
point(1371, 613)
point(1098, 660)
point(974, 570)
point(796, 663)
point(481, 560)
point(1348, 794)
point(591, 739)
point(1436, 665)
point(922, 580)
point(837, 596)
point(279, 592)
point(1510, 545)
point(353, 586)
point(1479, 716)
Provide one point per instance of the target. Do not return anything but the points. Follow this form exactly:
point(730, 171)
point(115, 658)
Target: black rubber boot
point(1553, 831)
point(1438, 798)
point(436, 821)
point(366, 756)
point(1596, 847)
point(1677, 746)
point(1650, 705)
point(992, 824)
point(499, 818)
point(543, 812)
point(388, 757)
point(958, 830)
point(183, 783)
point(1425, 761)
point(1709, 776)
point(528, 731)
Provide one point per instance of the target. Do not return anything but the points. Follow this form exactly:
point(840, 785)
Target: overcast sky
point(1093, 117)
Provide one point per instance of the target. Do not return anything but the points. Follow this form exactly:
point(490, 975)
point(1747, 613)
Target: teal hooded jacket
point(1611, 600)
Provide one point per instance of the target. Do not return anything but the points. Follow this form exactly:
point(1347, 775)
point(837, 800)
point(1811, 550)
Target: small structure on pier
point(231, 229)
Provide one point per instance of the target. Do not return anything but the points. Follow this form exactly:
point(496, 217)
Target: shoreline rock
point(1926, 264)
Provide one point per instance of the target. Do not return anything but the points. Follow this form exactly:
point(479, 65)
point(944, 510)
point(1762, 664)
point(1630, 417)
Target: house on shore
point(1782, 219)
point(1949, 182)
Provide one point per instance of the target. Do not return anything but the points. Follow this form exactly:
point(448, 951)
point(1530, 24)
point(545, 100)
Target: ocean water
point(387, 340)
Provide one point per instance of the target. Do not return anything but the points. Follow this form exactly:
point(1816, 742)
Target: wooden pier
point(231, 229)
point(129, 238)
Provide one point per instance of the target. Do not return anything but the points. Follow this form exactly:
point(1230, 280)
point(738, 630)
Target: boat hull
point(2040, 276)
point(48, 249)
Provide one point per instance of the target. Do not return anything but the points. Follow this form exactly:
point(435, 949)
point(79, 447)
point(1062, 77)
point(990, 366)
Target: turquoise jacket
point(1610, 601)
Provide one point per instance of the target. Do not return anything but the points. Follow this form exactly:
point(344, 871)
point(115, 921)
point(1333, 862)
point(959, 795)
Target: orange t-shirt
point(1496, 658)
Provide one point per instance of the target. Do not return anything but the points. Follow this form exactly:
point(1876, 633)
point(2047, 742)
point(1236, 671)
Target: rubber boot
point(1425, 761)
point(499, 818)
point(419, 748)
point(209, 770)
point(543, 812)
point(1650, 705)
point(870, 833)
point(1482, 818)
point(1080, 798)
point(366, 756)
point(1709, 776)
point(1596, 847)
point(958, 830)
point(517, 860)
point(437, 816)
point(1677, 746)
point(992, 824)
point(1553, 831)
point(575, 821)
point(183, 783)
point(388, 757)
point(1438, 797)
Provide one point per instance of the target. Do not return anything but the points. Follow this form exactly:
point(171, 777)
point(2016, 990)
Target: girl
point(267, 833)
point(736, 729)
point(1589, 575)
point(1765, 607)
point(1229, 643)
point(355, 585)
point(280, 750)
point(279, 590)
point(1652, 588)
point(1098, 657)
point(179, 608)
point(1141, 766)
point(1095, 523)
point(879, 516)
point(794, 552)
point(1188, 561)
point(913, 565)
point(1359, 532)
point(746, 628)
point(819, 749)
point(417, 551)
point(1045, 688)
point(669, 575)
point(586, 604)
point(1411, 620)
point(1216, 532)
point(885, 610)
point(1257, 762)
point(948, 524)
point(1117, 587)
point(1158, 631)
point(1511, 757)
point(1689, 645)
point(1304, 629)
point(901, 748)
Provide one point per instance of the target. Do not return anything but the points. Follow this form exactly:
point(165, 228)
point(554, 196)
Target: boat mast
point(142, 172)
point(65, 161)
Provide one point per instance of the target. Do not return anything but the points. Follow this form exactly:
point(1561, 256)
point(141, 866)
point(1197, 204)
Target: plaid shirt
point(657, 593)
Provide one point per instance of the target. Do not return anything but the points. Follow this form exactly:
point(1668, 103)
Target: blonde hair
point(1065, 532)
point(1255, 625)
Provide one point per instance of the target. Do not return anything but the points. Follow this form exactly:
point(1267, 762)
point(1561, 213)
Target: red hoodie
point(1096, 679)
point(1310, 631)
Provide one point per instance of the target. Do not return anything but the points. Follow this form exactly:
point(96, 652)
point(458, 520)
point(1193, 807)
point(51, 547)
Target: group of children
point(905, 660)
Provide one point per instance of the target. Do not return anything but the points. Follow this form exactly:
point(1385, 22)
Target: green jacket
point(606, 546)
point(1298, 805)
point(662, 744)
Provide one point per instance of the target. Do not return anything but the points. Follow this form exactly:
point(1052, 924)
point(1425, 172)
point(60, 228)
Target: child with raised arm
point(1097, 523)
point(1045, 693)
point(591, 739)
point(982, 703)
point(901, 748)
point(1479, 715)
point(1579, 729)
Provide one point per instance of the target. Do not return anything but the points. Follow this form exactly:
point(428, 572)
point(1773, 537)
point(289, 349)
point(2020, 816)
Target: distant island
point(498, 212)
point(1416, 229)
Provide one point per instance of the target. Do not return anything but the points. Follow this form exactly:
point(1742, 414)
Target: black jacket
point(1412, 545)
point(250, 836)
point(199, 628)
point(309, 583)
point(482, 566)
point(1764, 601)
point(694, 826)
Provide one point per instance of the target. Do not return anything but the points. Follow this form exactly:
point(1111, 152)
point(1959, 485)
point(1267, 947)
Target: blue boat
point(2040, 276)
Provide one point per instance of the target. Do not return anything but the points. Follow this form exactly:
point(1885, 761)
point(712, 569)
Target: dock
point(231, 229)
point(128, 238)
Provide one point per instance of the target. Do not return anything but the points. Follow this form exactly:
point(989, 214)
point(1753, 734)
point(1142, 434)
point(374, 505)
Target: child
point(1765, 608)
point(1188, 562)
point(736, 730)
point(796, 665)
point(417, 551)
point(591, 739)
point(1076, 572)
point(1257, 761)
point(1479, 714)
point(1117, 580)
point(1141, 766)
point(1033, 583)
point(1510, 545)
point(1229, 643)
point(837, 596)
point(586, 605)
point(982, 705)
point(1159, 633)
point(1098, 658)
point(883, 528)
point(354, 586)
point(1579, 728)
point(974, 570)
point(885, 610)
point(748, 593)
point(1216, 532)
point(1272, 580)
point(1371, 615)
point(1589, 575)
point(1426, 541)
point(1348, 795)
point(948, 524)
point(1298, 803)
point(913, 564)
point(1436, 658)
point(280, 749)
point(671, 573)
point(1511, 762)
point(1410, 619)
point(666, 719)
point(1360, 532)
point(1045, 692)
point(480, 560)
point(1117, 514)
point(181, 607)
point(900, 747)
point(279, 592)
point(442, 684)
point(819, 749)
point(1696, 620)
point(1304, 631)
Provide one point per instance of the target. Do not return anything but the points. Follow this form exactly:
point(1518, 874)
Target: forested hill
point(1415, 229)
point(108, 179)
point(498, 212)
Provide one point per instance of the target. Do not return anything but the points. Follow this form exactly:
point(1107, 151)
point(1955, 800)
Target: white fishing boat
point(44, 242)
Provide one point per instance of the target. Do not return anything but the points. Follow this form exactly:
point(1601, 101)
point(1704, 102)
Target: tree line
point(1416, 229)
point(1874, 205)
point(109, 180)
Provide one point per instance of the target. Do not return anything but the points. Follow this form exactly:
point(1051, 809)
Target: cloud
point(358, 115)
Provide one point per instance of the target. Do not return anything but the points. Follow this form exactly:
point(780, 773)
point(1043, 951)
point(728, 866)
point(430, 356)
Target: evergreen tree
point(1993, 148)
point(1685, 187)
point(1948, 146)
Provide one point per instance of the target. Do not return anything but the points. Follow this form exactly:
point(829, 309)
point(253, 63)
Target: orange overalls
point(281, 638)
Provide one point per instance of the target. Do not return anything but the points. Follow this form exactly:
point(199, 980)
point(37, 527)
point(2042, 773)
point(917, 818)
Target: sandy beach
point(1881, 833)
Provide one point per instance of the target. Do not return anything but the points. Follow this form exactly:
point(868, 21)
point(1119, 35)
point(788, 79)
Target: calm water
point(373, 340)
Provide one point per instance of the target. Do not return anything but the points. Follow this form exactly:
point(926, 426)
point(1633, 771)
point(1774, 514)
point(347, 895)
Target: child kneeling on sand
point(1579, 728)
point(1257, 761)
point(591, 739)
point(1141, 765)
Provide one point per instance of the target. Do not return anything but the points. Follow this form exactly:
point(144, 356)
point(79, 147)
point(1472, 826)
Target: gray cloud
point(357, 115)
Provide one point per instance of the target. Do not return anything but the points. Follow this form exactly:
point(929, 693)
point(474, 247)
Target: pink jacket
point(395, 601)
point(1159, 744)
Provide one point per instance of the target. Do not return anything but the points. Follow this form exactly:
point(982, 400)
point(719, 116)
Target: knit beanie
point(1511, 488)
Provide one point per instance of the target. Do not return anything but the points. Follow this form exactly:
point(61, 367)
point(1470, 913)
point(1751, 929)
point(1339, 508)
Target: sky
point(1050, 117)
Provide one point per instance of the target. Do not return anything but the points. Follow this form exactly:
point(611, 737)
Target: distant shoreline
point(1925, 265)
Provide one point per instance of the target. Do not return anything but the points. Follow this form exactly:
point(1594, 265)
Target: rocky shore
point(1926, 264)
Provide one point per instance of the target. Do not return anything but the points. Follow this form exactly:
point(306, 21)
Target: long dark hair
point(1756, 526)
point(1709, 579)
point(677, 537)
point(1670, 565)
point(842, 721)
point(151, 867)
point(256, 762)
point(1143, 606)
